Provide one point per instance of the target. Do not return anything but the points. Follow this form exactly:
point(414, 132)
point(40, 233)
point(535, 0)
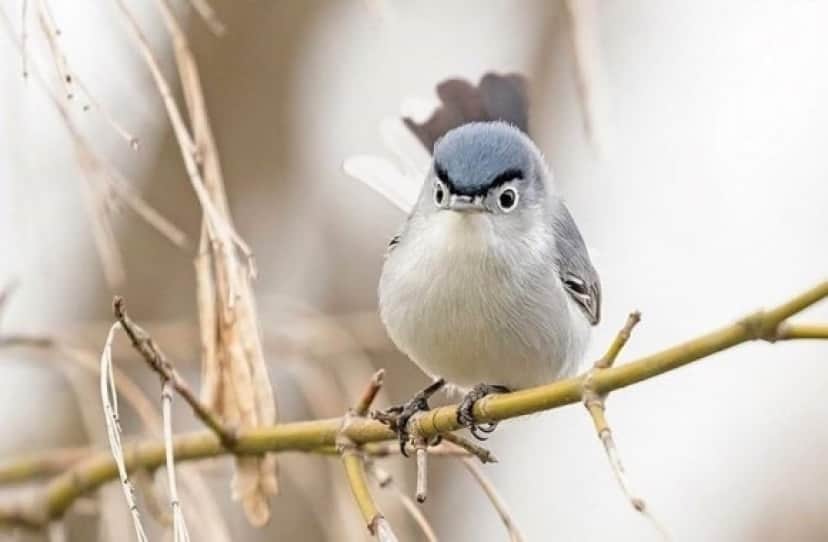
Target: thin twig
point(481, 453)
point(68, 79)
point(354, 464)
point(421, 450)
point(35, 465)
point(109, 397)
point(244, 394)
point(370, 393)
point(792, 330)
point(108, 117)
point(595, 404)
point(608, 359)
point(180, 533)
point(123, 188)
point(209, 15)
point(355, 473)
point(386, 483)
point(217, 222)
point(52, 33)
point(100, 176)
point(155, 358)
point(494, 497)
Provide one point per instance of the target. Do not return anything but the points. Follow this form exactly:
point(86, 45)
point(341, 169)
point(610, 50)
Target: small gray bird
point(488, 285)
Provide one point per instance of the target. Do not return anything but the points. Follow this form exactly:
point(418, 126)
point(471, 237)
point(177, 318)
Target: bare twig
point(218, 223)
point(108, 117)
point(68, 79)
point(209, 15)
point(241, 392)
point(123, 188)
point(608, 359)
point(354, 464)
point(35, 465)
point(52, 33)
point(595, 404)
point(421, 450)
point(792, 330)
point(180, 533)
point(481, 453)
point(370, 393)
point(144, 344)
point(495, 498)
point(386, 483)
point(100, 176)
point(355, 473)
point(109, 396)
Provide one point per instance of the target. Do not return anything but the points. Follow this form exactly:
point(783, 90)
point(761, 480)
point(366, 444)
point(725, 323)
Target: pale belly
point(469, 316)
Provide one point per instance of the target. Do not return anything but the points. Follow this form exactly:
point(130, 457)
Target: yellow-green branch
point(91, 473)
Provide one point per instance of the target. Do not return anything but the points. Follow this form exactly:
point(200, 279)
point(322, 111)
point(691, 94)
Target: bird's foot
point(465, 412)
point(397, 417)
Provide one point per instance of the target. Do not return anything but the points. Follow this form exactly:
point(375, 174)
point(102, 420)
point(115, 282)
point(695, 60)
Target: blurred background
point(687, 137)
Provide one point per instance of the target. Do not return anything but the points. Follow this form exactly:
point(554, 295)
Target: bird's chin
point(466, 208)
point(467, 220)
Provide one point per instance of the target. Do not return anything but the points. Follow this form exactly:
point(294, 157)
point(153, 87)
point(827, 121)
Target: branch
point(354, 464)
point(155, 358)
point(310, 436)
point(386, 482)
point(787, 331)
point(595, 404)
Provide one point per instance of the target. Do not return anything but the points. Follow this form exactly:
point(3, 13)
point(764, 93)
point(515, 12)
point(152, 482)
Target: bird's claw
point(397, 417)
point(465, 412)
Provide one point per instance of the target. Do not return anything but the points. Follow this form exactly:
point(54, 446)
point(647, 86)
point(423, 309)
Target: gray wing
point(579, 277)
point(496, 97)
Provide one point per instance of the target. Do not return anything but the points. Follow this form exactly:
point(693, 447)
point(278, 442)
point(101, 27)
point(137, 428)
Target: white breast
point(474, 307)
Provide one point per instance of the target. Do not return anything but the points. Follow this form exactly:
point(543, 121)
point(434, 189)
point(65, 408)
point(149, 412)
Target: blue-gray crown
point(475, 157)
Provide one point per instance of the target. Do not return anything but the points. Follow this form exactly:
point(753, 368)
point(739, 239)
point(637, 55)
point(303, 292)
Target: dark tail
point(496, 97)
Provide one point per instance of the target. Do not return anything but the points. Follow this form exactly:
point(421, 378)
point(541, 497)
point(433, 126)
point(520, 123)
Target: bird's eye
point(508, 198)
point(439, 194)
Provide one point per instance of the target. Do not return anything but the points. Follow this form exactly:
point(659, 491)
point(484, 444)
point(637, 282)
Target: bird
point(488, 286)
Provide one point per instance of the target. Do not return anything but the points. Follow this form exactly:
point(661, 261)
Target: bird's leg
point(397, 417)
point(465, 412)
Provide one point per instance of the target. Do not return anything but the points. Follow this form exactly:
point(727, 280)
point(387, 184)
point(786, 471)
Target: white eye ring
point(507, 199)
point(440, 194)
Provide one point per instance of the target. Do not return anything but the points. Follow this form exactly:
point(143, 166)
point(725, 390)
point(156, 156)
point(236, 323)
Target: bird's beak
point(466, 204)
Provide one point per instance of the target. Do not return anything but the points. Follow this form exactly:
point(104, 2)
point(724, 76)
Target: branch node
point(758, 327)
point(154, 357)
point(595, 404)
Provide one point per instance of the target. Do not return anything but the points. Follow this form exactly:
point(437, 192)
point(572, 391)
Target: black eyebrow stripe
point(443, 175)
point(506, 176)
point(502, 178)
